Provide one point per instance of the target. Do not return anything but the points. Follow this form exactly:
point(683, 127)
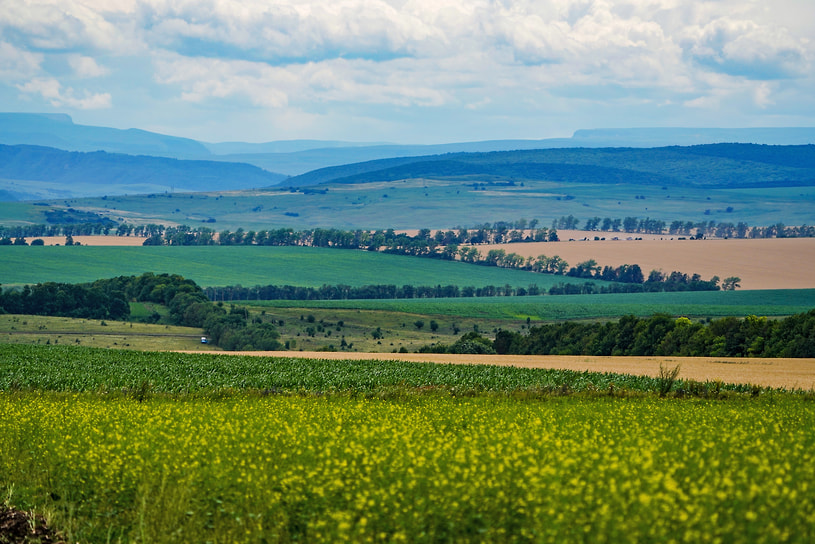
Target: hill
point(36, 172)
point(712, 165)
point(59, 130)
point(295, 157)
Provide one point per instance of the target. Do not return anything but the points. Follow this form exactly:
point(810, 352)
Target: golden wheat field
point(775, 263)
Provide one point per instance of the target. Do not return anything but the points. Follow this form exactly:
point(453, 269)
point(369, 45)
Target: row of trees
point(347, 292)
point(65, 300)
point(660, 334)
point(487, 233)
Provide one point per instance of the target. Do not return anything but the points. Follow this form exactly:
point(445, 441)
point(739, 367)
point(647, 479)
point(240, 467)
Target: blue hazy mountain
point(294, 157)
point(707, 165)
point(59, 131)
point(305, 160)
point(36, 172)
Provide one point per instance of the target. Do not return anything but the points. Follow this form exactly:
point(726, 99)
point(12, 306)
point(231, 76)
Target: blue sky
point(409, 71)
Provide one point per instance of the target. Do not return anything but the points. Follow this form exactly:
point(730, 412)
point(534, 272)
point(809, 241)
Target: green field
point(116, 446)
point(780, 302)
point(254, 265)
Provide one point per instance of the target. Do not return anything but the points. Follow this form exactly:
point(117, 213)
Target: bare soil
point(20, 527)
point(776, 263)
point(92, 240)
point(786, 373)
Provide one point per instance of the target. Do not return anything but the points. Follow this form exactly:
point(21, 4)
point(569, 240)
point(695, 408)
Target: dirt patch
point(19, 527)
point(786, 373)
point(92, 240)
point(776, 263)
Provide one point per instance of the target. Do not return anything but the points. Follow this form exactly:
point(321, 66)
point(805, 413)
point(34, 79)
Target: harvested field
point(776, 263)
point(788, 373)
point(92, 240)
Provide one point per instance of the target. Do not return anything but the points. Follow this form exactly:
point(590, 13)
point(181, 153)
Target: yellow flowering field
point(425, 468)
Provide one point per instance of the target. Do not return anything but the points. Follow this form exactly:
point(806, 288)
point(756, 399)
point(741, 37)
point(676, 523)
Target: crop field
point(779, 302)
point(761, 264)
point(253, 265)
point(160, 447)
point(440, 203)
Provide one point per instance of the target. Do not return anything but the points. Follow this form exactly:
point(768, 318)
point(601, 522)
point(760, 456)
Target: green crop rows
point(781, 302)
point(163, 447)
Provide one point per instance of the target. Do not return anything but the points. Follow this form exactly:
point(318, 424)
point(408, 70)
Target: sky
point(409, 71)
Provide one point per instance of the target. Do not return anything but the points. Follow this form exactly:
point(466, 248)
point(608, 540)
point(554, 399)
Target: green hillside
point(254, 265)
point(715, 165)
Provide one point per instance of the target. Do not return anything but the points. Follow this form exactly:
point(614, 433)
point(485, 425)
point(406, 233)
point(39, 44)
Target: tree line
point(675, 281)
point(188, 306)
point(660, 335)
point(89, 301)
point(499, 232)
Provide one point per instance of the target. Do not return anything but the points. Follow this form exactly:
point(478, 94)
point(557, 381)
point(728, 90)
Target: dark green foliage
point(661, 334)
point(66, 300)
point(470, 343)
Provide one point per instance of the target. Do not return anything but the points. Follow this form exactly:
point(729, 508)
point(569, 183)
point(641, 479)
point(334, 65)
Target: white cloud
point(512, 59)
point(18, 64)
point(51, 90)
point(86, 67)
point(336, 80)
point(745, 48)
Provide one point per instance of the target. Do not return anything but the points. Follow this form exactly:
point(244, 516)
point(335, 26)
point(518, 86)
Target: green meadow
point(779, 302)
point(253, 265)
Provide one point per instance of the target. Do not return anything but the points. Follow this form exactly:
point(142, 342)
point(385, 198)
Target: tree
point(731, 283)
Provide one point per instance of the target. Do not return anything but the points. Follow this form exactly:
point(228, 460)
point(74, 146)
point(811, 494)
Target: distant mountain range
point(295, 157)
point(711, 165)
point(30, 172)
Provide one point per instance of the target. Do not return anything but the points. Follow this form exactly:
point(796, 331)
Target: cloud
point(52, 91)
point(86, 67)
point(18, 64)
point(745, 48)
point(436, 61)
point(338, 80)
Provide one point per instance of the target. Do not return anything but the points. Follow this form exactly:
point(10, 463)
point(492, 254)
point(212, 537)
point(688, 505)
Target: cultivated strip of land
point(786, 373)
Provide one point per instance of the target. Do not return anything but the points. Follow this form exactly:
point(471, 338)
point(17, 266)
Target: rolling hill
point(36, 172)
point(711, 165)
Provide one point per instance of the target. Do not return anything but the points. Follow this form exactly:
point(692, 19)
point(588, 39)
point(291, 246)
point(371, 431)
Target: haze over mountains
point(49, 156)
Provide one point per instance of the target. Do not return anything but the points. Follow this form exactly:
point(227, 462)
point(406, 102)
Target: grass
point(41, 330)
point(253, 265)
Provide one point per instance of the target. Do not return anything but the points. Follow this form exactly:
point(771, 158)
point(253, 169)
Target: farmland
point(756, 262)
point(253, 265)
point(546, 308)
point(166, 447)
point(437, 203)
